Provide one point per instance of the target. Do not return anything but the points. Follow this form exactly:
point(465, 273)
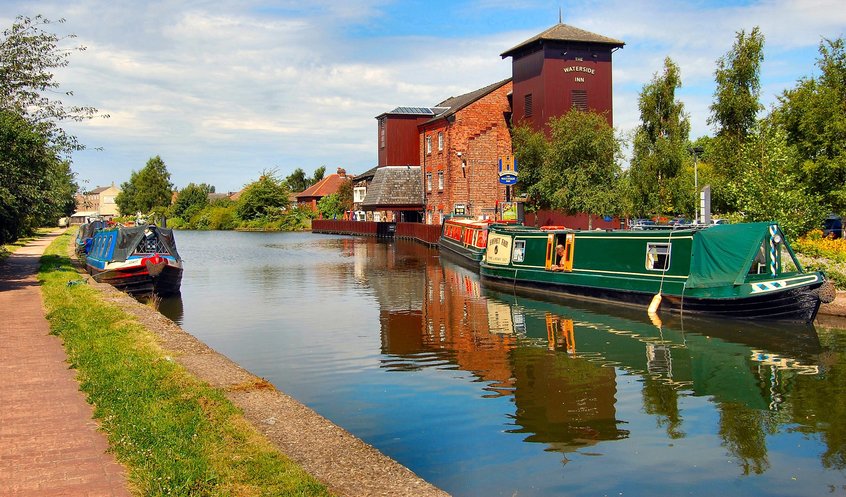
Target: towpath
point(49, 442)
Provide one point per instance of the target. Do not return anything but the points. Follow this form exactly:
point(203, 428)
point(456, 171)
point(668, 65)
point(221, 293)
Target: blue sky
point(222, 90)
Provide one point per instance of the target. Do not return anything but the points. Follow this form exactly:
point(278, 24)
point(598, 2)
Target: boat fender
point(653, 306)
point(827, 292)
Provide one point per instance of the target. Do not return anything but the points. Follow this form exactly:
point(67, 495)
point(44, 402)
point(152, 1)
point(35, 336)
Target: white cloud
point(225, 89)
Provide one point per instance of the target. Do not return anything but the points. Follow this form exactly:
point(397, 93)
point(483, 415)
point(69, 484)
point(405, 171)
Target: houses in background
point(97, 203)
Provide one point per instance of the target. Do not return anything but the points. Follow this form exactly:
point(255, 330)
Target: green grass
point(175, 434)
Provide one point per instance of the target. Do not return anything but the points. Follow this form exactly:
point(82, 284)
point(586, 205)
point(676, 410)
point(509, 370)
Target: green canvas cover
point(723, 254)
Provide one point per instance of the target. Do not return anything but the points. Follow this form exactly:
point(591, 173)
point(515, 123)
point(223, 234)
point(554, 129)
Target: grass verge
point(175, 434)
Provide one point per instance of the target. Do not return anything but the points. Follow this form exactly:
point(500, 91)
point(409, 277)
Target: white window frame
point(440, 181)
point(651, 260)
point(428, 144)
point(428, 182)
point(518, 253)
point(440, 141)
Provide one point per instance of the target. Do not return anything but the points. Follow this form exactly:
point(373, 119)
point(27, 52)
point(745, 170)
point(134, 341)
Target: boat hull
point(798, 303)
point(468, 257)
point(138, 279)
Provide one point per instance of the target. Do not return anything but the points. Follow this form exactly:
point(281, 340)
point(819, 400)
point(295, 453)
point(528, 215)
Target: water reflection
point(560, 362)
point(491, 393)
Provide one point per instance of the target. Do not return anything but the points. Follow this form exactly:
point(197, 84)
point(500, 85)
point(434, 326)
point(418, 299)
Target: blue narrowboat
point(139, 260)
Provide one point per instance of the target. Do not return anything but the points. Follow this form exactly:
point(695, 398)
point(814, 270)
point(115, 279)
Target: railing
point(424, 233)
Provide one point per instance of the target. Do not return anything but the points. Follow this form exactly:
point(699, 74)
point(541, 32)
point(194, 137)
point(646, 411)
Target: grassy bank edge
point(175, 434)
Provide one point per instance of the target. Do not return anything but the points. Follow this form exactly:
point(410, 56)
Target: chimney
point(342, 172)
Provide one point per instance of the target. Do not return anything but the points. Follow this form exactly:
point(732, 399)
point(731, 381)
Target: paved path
point(49, 443)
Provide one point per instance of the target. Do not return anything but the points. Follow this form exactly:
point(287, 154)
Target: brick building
point(452, 151)
point(327, 186)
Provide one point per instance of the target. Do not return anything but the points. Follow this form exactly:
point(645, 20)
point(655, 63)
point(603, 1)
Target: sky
point(223, 90)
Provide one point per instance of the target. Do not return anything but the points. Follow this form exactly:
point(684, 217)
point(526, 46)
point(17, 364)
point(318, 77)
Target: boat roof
point(475, 223)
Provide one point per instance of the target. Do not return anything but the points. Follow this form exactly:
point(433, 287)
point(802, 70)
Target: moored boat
point(465, 239)
point(738, 271)
point(85, 235)
point(138, 260)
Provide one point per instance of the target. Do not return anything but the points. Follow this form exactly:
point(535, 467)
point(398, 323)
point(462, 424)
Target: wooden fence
point(424, 233)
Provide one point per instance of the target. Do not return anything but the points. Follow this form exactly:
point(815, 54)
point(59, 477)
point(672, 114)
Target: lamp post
point(696, 151)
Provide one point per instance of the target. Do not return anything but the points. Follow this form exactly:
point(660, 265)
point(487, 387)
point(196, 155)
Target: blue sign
point(508, 179)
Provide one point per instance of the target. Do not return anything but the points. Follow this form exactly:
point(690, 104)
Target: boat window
point(482, 239)
point(658, 256)
point(519, 252)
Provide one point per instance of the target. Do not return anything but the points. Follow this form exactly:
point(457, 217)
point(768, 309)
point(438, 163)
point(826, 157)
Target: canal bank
point(345, 464)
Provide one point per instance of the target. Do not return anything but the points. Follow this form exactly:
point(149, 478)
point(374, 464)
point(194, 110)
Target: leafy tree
point(319, 173)
point(266, 197)
point(659, 144)
point(297, 180)
point(580, 169)
point(735, 108)
point(530, 148)
point(345, 195)
point(28, 57)
point(814, 117)
point(191, 200)
point(330, 206)
point(768, 187)
point(146, 189)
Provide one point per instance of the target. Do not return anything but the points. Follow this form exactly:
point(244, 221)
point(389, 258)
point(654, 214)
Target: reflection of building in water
point(566, 402)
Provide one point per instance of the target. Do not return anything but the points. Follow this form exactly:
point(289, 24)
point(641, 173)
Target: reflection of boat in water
point(138, 260)
point(738, 271)
point(562, 364)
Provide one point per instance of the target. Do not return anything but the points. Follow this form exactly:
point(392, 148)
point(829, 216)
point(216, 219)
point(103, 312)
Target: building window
point(440, 180)
point(440, 141)
point(429, 182)
point(579, 99)
point(528, 104)
point(428, 144)
point(382, 132)
point(358, 194)
point(429, 221)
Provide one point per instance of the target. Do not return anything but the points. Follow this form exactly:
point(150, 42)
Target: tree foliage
point(580, 169)
point(28, 57)
point(330, 206)
point(530, 148)
point(191, 200)
point(36, 186)
point(262, 198)
point(146, 189)
point(768, 187)
point(660, 144)
point(813, 115)
point(345, 195)
point(735, 108)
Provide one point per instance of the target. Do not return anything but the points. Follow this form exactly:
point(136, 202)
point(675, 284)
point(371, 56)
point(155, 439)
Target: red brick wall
point(481, 134)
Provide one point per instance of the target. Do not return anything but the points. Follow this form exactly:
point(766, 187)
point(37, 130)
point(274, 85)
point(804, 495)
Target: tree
point(659, 144)
point(191, 200)
point(580, 169)
point(146, 189)
point(345, 195)
point(318, 175)
point(28, 57)
point(297, 180)
point(263, 198)
point(768, 187)
point(735, 108)
point(530, 148)
point(330, 206)
point(813, 115)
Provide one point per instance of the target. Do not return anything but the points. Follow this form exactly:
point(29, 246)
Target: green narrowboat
point(739, 271)
point(464, 240)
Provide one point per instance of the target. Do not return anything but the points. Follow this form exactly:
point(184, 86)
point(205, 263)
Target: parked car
point(833, 226)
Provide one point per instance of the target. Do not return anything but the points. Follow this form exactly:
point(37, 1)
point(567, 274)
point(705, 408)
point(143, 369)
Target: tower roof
point(563, 32)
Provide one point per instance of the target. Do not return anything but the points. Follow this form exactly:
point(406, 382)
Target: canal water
point(486, 393)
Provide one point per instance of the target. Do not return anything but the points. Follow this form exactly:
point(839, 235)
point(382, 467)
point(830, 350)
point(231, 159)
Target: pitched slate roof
point(326, 186)
point(366, 174)
point(564, 32)
point(455, 104)
point(395, 187)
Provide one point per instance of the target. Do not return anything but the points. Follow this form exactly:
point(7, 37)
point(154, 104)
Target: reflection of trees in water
point(661, 399)
point(744, 432)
